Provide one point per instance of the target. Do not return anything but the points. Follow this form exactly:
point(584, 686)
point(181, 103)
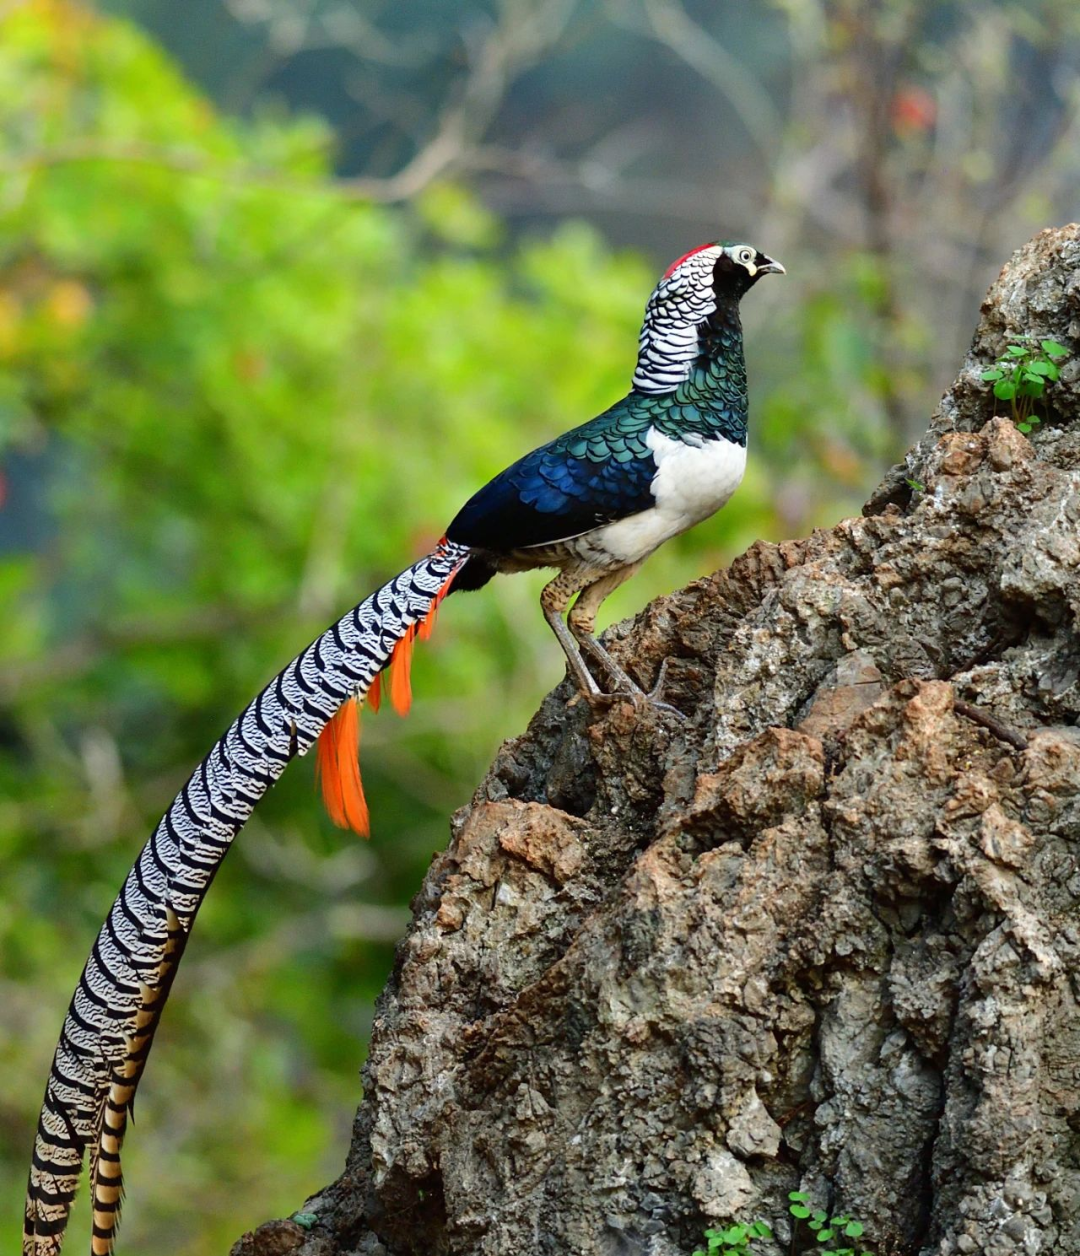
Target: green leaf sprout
point(737, 1239)
point(1020, 376)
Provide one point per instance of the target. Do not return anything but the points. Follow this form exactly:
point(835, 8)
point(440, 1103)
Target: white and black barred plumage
point(109, 1027)
point(668, 343)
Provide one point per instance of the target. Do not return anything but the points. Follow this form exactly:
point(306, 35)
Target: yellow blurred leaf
point(69, 303)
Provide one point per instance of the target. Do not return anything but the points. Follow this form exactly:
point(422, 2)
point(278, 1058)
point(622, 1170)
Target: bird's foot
point(625, 687)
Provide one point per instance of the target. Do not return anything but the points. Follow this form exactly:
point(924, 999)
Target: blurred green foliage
point(233, 398)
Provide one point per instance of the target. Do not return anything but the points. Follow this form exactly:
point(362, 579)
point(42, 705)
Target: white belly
point(691, 483)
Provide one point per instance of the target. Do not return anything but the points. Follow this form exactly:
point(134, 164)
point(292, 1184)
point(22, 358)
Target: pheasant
point(593, 504)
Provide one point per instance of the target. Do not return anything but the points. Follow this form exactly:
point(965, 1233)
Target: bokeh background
point(282, 282)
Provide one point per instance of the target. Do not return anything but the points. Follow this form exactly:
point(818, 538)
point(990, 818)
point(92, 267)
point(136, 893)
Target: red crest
point(679, 260)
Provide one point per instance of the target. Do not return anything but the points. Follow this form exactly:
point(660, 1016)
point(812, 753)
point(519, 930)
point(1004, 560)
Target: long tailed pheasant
point(593, 504)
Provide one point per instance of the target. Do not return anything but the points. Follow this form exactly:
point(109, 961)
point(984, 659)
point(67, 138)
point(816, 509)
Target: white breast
point(691, 483)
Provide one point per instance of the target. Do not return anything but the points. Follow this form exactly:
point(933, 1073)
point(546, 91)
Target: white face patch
point(743, 255)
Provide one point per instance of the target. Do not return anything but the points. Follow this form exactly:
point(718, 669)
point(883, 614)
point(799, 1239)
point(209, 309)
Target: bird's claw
point(627, 690)
point(656, 694)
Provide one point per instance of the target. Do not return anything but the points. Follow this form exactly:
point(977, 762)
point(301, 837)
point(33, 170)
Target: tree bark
point(822, 934)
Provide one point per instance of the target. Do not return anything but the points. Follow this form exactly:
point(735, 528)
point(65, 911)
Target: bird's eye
point(746, 256)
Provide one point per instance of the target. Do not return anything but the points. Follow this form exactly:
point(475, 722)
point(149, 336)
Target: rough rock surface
point(821, 935)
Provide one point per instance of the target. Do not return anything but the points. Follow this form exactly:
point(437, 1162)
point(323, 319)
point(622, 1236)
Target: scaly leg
point(554, 599)
point(582, 620)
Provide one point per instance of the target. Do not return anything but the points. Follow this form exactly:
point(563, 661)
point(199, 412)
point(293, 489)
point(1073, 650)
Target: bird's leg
point(582, 621)
point(554, 600)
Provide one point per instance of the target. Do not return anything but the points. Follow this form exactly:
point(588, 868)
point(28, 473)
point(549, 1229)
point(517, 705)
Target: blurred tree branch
point(724, 70)
point(496, 55)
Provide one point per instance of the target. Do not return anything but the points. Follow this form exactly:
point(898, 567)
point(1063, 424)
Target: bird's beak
point(766, 266)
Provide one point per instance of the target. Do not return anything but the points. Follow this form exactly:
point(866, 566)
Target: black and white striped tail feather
point(109, 1027)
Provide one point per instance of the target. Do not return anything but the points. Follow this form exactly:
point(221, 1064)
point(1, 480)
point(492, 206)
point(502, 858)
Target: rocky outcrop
point(821, 934)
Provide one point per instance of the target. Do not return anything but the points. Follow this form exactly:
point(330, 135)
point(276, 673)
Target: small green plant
point(738, 1239)
point(916, 486)
point(1020, 376)
point(826, 1229)
point(735, 1240)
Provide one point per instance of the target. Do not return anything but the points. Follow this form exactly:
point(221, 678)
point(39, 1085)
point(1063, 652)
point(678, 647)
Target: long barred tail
point(110, 1024)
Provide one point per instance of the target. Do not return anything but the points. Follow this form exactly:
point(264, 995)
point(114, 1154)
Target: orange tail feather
point(337, 764)
point(427, 625)
point(401, 673)
point(401, 659)
point(338, 769)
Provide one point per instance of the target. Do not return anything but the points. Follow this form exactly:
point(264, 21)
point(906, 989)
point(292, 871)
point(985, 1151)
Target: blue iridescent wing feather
point(595, 474)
